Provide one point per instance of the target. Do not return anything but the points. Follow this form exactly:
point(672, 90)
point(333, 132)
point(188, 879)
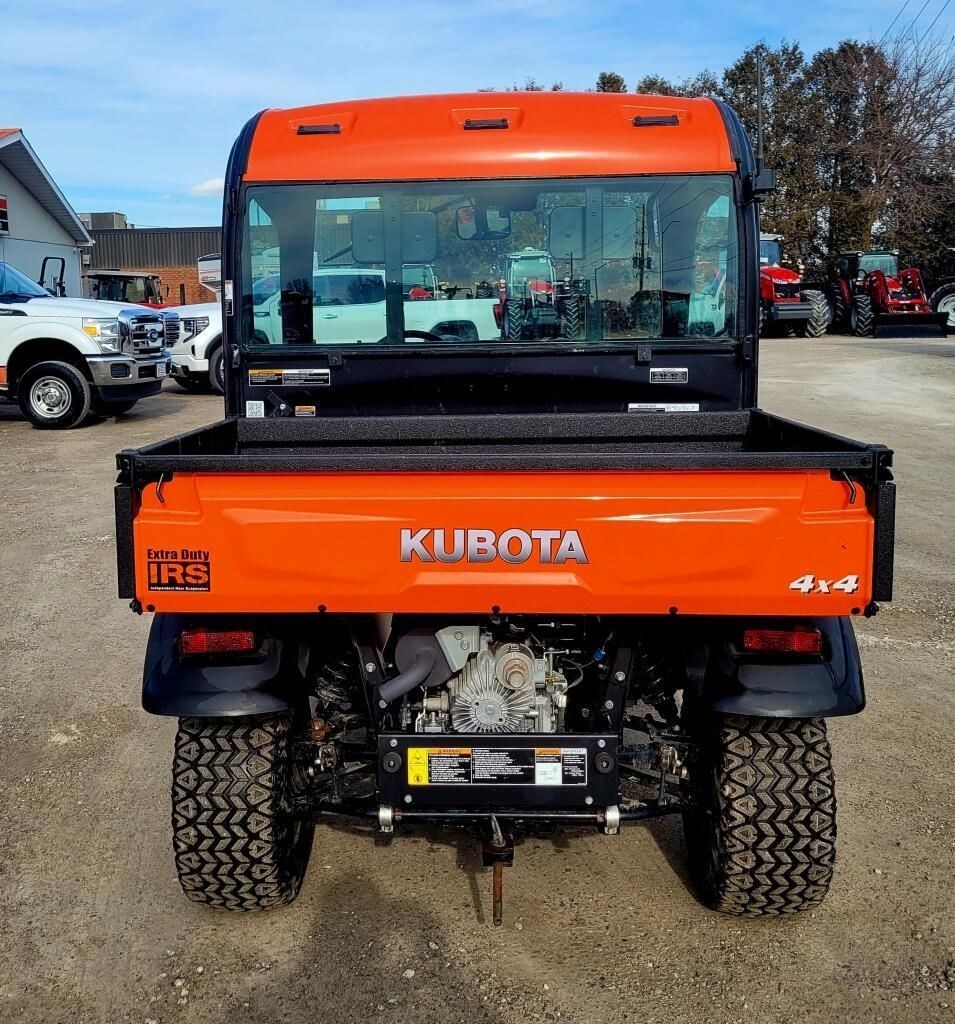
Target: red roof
point(8, 131)
point(550, 134)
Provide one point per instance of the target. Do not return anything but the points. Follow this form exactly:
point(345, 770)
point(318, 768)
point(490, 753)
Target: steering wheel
point(423, 335)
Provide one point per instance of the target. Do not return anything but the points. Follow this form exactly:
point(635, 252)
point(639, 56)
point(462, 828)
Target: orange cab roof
point(547, 134)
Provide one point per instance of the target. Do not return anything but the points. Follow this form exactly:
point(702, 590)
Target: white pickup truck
point(63, 359)
point(349, 304)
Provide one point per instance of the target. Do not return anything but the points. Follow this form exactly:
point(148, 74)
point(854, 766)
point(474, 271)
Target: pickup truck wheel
point(238, 845)
point(761, 825)
point(192, 384)
point(54, 396)
point(217, 370)
point(818, 322)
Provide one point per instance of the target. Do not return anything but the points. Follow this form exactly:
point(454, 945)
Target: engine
point(498, 686)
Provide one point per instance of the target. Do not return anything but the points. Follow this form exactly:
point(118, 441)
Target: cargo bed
point(696, 513)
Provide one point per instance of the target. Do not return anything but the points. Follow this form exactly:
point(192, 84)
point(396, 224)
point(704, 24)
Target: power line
point(916, 18)
point(937, 16)
point(898, 15)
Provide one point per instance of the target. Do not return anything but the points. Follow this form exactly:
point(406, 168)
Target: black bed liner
point(749, 439)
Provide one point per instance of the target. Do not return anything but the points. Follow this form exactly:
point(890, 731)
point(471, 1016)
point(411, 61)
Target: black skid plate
point(497, 770)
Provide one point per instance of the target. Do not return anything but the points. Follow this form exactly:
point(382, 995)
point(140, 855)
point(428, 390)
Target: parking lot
point(93, 927)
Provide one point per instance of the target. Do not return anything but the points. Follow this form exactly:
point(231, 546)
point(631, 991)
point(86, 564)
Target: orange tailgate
point(702, 542)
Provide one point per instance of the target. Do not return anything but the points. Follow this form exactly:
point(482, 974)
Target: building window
point(4, 221)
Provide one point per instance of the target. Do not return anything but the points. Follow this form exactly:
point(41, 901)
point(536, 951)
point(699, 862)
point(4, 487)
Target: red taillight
point(783, 641)
point(498, 310)
point(219, 641)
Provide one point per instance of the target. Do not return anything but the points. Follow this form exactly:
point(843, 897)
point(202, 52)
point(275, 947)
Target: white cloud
point(212, 187)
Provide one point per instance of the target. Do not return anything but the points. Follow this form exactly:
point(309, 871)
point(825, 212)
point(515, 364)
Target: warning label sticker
point(297, 377)
point(497, 766)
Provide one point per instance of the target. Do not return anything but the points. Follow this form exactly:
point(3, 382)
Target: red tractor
point(871, 291)
point(534, 303)
point(783, 298)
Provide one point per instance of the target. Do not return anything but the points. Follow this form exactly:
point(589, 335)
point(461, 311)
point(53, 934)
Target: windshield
point(14, 285)
point(887, 262)
point(570, 260)
point(770, 252)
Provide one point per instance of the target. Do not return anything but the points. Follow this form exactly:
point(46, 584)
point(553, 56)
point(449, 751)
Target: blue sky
point(134, 106)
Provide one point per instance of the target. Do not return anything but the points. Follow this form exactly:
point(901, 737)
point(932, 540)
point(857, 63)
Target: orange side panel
point(719, 543)
point(548, 135)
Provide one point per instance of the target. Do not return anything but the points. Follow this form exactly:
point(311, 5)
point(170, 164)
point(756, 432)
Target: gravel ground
point(93, 926)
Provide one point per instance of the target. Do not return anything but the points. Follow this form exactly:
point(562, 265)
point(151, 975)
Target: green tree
point(610, 81)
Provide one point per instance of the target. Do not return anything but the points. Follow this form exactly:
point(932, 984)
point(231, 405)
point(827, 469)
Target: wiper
point(14, 296)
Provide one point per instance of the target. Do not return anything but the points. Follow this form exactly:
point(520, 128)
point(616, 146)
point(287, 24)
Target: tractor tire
point(942, 300)
point(818, 322)
point(861, 318)
point(570, 318)
point(54, 395)
point(761, 823)
point(514, 319)
point(237, 844)
point(838, 312)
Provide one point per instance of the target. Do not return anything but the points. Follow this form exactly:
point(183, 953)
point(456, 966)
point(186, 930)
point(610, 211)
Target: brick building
point(169, 252)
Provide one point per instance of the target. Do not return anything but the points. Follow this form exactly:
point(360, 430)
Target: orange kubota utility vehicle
point(573, 578)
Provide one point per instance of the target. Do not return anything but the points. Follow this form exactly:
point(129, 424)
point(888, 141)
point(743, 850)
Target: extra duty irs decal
point(178, 569)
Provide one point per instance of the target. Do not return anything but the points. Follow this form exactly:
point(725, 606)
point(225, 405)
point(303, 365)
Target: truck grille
point(143, 334)
point(172, 328)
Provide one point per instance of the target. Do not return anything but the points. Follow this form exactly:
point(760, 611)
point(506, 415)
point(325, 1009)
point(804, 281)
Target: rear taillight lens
point(498, 311)
point(805, 640)
point(218, 641)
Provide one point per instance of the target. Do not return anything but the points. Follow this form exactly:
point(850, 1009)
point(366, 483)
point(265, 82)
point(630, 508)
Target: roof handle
point(477, 124)
point(319, 129)
point(659, 120)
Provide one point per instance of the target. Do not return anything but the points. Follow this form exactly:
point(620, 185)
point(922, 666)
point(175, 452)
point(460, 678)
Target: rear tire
point(861, 318)
point(838, 313)
point(943, 301)
point(570, 318)
point(237, 844)
point(761, 828)
point(818, 322)
point(514, 319)
point(54, 396)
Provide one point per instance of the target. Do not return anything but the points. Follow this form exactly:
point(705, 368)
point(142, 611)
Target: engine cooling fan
point(482, 704)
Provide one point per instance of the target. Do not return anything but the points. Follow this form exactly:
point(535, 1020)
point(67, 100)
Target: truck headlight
point(104, 331)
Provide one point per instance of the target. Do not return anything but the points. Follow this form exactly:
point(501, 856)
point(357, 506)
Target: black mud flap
point(211, 688)
point(827, 688)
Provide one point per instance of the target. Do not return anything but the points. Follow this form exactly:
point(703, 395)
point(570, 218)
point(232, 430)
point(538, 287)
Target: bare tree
point(894, 135)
